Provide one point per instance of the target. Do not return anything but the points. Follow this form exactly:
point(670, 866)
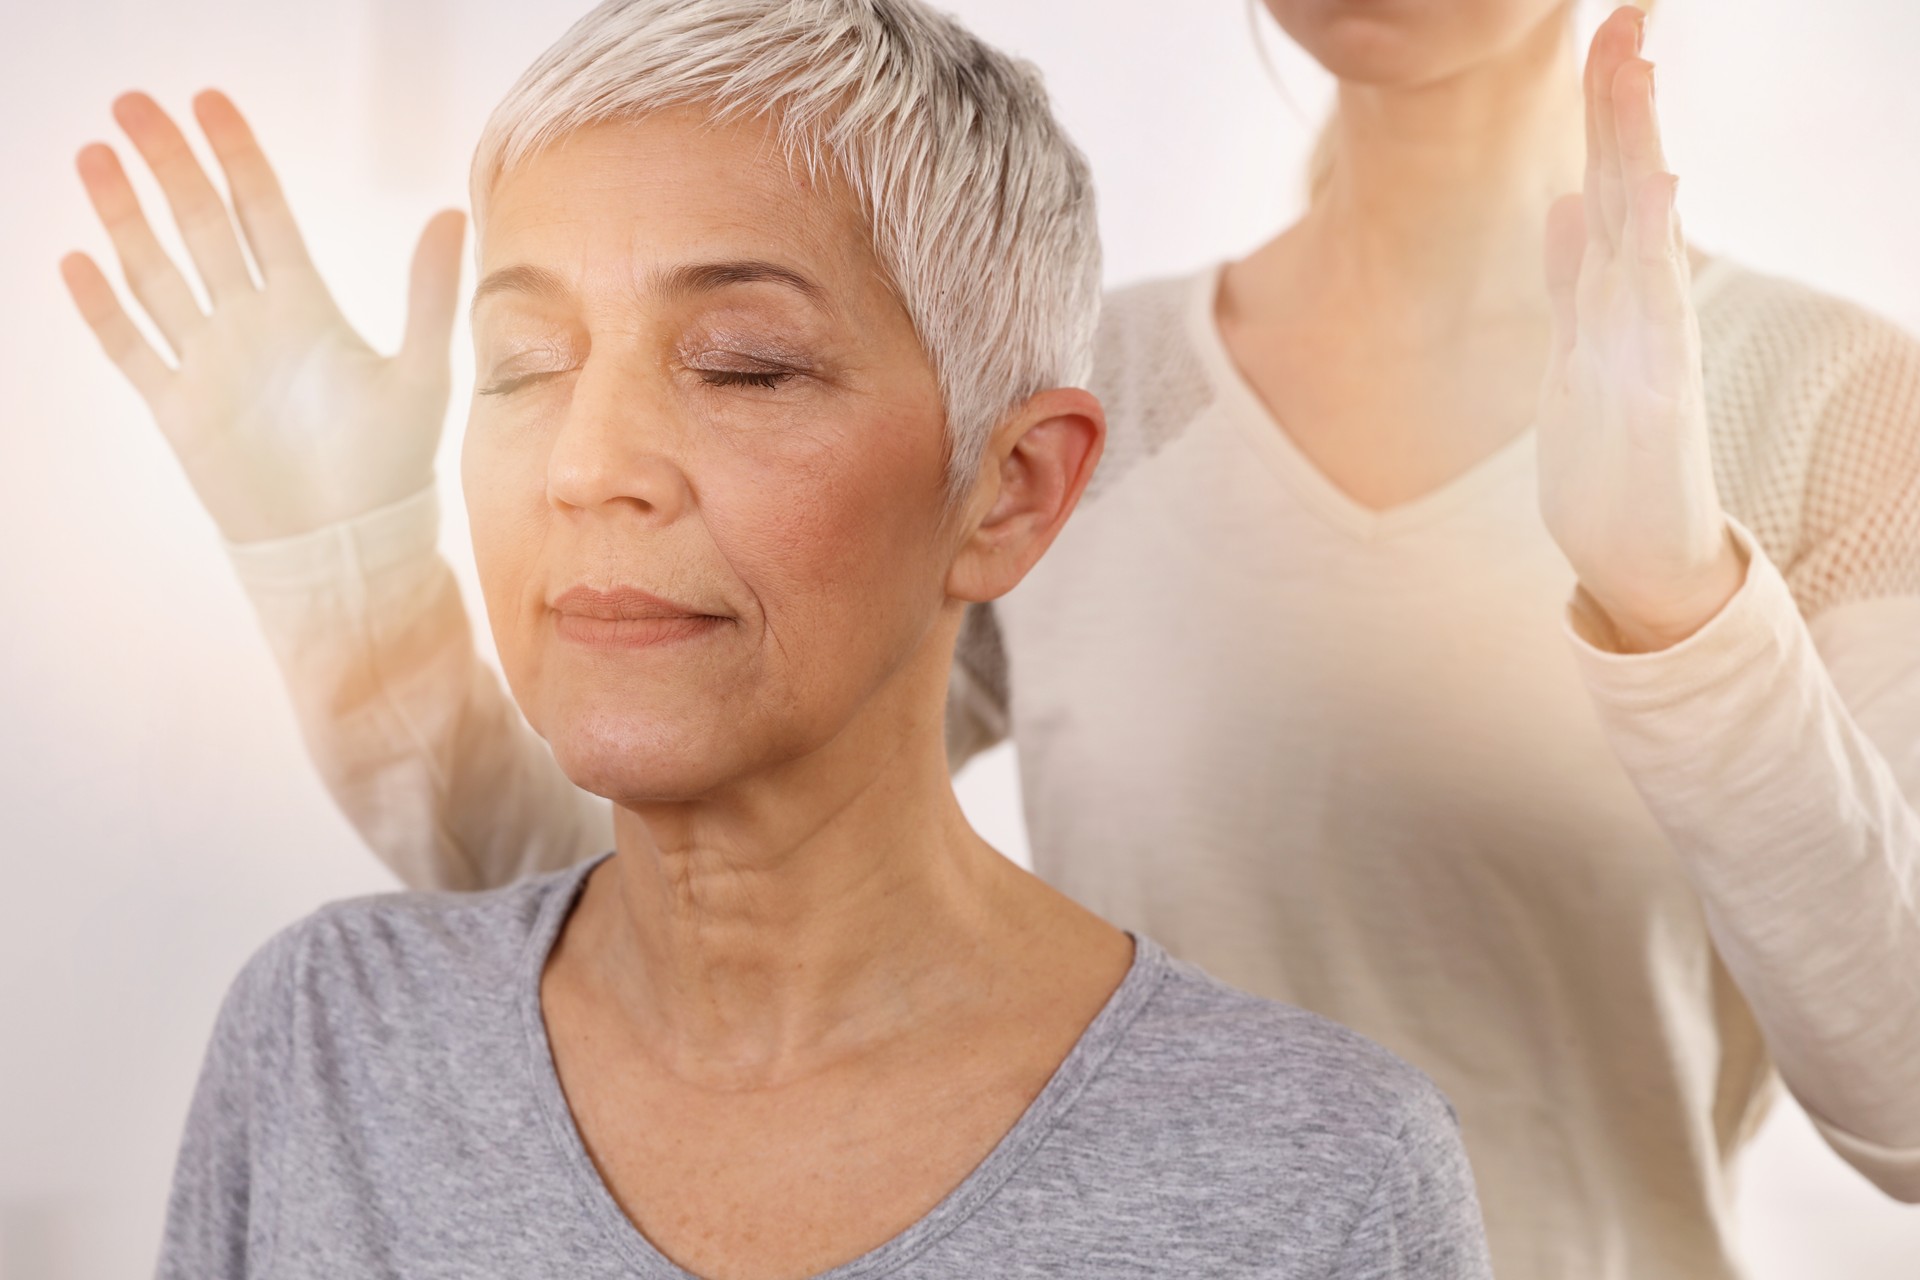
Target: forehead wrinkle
point(811, 213)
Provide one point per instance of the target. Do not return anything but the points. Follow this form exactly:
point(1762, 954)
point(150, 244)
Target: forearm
point(1803, 845)
point(410, 730)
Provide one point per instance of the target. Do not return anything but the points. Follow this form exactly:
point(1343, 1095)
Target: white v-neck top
point(1360, 762)
point(1354, 760)
point(1240, 409)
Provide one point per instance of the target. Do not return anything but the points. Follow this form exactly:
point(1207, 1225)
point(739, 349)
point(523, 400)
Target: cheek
point(839, 542)
point(503, 480)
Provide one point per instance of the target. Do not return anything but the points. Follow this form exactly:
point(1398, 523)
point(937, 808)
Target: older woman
point(779, 315)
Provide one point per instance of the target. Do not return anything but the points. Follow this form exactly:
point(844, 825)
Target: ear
point(1036, 465)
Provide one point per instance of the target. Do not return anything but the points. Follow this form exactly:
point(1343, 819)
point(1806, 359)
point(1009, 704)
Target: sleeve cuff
point(1758, 620)
point(1893, 1170)
point(395, 534)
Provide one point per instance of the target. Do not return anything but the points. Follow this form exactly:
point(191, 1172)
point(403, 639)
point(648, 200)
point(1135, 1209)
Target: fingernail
point(1639, 29)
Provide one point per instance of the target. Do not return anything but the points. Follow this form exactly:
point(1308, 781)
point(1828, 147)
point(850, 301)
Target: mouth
point(627, 618)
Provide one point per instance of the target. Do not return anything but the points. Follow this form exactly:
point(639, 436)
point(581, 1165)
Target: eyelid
point(550, 350)
point(559, 359)
point(764, 356)
point(501, 386)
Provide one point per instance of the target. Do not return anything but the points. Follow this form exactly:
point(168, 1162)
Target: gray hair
point(980, 207)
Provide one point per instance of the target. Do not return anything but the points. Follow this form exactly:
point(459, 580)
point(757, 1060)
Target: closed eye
point(505, 385)
point(712, 377)
point(742, 378)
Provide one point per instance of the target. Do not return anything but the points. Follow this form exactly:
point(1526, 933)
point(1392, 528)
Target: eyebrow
point(524, 278)
point(704, 277)
point(688, 278)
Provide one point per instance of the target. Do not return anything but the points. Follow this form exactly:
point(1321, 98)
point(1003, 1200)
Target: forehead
point(670, 184)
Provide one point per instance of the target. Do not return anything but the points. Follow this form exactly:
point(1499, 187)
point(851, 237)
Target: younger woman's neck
point(1444, 189)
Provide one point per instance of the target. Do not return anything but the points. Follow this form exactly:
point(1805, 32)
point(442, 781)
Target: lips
point(620, 603)
point(626, 618)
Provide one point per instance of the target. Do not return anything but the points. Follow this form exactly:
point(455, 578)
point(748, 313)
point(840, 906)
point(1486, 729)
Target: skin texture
point(1400, 333)
point(803, 982)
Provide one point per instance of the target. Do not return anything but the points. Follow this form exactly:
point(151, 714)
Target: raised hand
point(284, 419)
point(1626, 482)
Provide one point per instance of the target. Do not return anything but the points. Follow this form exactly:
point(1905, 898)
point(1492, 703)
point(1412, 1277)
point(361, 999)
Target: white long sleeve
point(1785, 778)
point(412, 733)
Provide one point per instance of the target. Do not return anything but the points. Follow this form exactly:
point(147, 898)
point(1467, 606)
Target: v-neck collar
point(1081, 1064)
point(1269, 438)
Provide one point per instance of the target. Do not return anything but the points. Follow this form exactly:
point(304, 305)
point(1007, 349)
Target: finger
point(1637, 124)
point(1565, 248)
point(433, 292)
point(1617, 40)
point(268, 223)
point(150, 273)
point(204, 223)
point(1661, 288)
point(123, 342)
point(1596, 219)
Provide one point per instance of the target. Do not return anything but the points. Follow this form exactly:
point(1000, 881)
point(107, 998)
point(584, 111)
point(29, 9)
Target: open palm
point(1626, 479)
point(284, 419)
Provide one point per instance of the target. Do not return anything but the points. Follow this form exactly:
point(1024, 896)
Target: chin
point(1407, 43)
point(1375, 54)
point(633, 760)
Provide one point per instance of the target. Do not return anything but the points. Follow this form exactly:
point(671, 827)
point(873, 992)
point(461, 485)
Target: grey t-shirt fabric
point(379, 1099)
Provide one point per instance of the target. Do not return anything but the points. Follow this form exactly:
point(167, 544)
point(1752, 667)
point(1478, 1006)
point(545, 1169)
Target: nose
point(619, 446)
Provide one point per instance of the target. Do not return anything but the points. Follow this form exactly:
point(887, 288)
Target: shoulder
point(1764, 329)
point(1814, 407)
point(1273, 1078)
point(1145, 314)
point(384, 953)
point(1147, 371)
point(1225, 1121)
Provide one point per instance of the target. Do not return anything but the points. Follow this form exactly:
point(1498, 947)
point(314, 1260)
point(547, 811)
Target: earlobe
point(1041, 457)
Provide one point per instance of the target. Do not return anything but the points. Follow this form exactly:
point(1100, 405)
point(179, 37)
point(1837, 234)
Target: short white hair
point(980, 207)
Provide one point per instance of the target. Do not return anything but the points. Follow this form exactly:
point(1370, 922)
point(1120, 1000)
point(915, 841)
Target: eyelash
point(742, 378)
point(712, 377)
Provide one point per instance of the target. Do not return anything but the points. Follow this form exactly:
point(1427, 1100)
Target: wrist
point(1642, 626)
point(373, 543)
point(264, 516)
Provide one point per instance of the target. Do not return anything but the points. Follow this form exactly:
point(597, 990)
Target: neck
point(1443, 189)
point(808, 913)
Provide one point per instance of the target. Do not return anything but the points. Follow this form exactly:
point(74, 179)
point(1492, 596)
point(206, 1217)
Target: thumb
point(433, 292)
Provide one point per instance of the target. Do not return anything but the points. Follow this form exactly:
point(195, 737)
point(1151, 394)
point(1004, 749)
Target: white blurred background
point(161, 818)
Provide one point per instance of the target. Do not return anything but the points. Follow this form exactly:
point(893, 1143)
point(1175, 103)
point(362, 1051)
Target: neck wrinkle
point(808, 914)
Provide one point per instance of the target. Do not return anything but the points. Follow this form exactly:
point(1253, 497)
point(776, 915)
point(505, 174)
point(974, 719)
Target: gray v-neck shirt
point(379, 1099)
